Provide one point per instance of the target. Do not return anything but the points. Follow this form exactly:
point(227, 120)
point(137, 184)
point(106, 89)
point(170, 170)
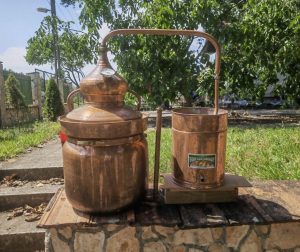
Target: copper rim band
point(106, 142)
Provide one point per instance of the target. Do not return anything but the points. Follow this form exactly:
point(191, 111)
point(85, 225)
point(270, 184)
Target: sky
point(19, 19)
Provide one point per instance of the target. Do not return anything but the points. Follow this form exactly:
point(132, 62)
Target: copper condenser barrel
point(199, 143)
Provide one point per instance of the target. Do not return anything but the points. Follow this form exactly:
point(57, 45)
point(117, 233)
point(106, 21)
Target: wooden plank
point(276, 211)
point(192, 216)
point(230, 181)
point(175, 194)
point(201, 215)
point(62, 213)
point(193, 196)
point(252, 201)
point(111, 218)
point(240, 212)
point(42, 222)
point(148, 213)
point(215, 216)
point(67, 214)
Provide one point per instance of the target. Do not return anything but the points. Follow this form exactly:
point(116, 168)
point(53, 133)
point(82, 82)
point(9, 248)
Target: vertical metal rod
point(57, 62)
point(157, 153)
point(54, 34)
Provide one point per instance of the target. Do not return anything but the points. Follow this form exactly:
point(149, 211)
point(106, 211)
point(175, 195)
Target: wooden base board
point(175, 194)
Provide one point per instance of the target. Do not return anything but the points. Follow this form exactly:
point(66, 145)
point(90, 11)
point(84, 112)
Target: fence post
point(61, 90)
point(36, 91)
point(2, 98)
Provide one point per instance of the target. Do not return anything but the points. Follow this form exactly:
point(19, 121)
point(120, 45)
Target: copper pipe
point(157, 152)
point(138, 97)
point(70, 99)
point(171, 32)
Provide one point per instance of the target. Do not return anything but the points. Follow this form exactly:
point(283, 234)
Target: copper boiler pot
point(106, 156)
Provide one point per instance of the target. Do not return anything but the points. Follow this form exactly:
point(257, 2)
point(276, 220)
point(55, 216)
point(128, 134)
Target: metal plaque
point(202, 161)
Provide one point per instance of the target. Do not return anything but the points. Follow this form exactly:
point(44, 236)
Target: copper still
point(106, 157)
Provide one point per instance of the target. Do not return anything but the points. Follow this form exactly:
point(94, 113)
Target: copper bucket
point(199, 143)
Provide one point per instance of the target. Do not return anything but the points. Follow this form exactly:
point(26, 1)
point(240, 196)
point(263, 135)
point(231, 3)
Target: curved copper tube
point(171, 32)
point(70, 99)
point(138, 97)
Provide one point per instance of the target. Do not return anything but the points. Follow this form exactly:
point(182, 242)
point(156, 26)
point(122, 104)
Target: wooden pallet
point(176, 194)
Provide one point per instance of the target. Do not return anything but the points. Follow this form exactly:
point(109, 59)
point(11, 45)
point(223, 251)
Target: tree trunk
point(188, 101)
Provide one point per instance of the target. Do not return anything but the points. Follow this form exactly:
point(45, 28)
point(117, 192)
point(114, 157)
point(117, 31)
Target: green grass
point(259, 152)
point(16, 140)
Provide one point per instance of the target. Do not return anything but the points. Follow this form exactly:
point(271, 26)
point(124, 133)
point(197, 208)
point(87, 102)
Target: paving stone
point(154, 246)
point(284, 236)
point(180, 248)
point(262, 229)
point(200, 236)
point(88, 242)
point(147, 233)
point(195, 250)
point(66, 232)
point(124, 241)
point(217, 232)
point(252, 243)
point(235, 234)
point(167, 232)
point(57, 244)
point(217, 248)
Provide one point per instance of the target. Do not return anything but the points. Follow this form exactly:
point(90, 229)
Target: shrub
point(53, 104)
point(14, 97)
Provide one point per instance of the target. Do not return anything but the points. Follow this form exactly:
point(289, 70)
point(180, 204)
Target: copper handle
point(70, 99)
point(138, 97)
point(171, 32)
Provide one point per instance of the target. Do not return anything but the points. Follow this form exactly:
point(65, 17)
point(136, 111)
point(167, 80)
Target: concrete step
point(32, 193)
point(18, 235)
point(35, 173)
point(37, 163)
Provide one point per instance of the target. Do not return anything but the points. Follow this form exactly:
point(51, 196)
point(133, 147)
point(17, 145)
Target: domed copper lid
point(103, 85)
point(104, 111)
